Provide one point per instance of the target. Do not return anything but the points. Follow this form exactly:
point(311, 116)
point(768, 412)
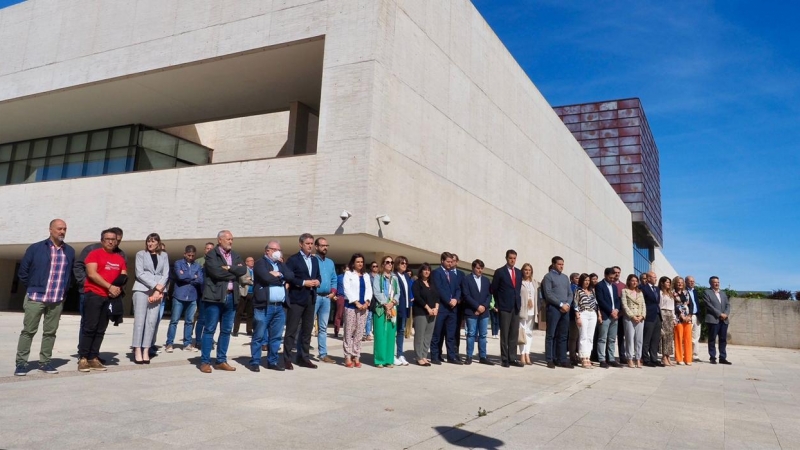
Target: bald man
point(45, 270)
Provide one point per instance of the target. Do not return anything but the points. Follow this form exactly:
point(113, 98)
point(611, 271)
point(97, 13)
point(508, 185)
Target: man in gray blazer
point(717, 310)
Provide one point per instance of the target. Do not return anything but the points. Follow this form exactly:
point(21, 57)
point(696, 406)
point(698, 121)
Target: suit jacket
point(448, 287)
point(652, 302)
point(473, 298)
point(402, 309)
point(605, 301)
point(716, 307)
point(299, 294)
point(244, 281)
point(215, 288)
point(147, 276)
point(694, 308)
point(507, 297)
point(263, 280)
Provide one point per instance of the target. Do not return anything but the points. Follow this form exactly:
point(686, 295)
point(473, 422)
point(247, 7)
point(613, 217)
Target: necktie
point(513, 277)
point(447, 274)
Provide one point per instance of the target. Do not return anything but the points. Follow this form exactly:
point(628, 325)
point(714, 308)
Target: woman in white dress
point(528, 312)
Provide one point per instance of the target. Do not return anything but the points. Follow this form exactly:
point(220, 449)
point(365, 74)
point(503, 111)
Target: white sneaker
point(397, 361)
point(403, 360)
point(680, 363)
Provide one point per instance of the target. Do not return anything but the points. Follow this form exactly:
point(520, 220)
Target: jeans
point(30, 325)
point(186, 308)
point(80, 310)
point(555, 343)
point(200, 323)
point(368, 328)
point(477, 326)
point(322, 311)
point(268, 323)
point(717, 329)
point(401, 334)
point(607, 339)
point(222, 314)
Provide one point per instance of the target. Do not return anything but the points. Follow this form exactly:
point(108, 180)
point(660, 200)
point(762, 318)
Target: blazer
point(524, 312)
point(147, 276)
point(34, 270)
point(424, 295)
point(606, 302)
point(448, 287)
point(633, 304)
point(188, 279)
point(350, 285)
point(299, 294)
point(716, 307)
point(244, 281)
point(652, 302)
point(215, 288)
point(694, 306)
point(474, 298)
point(263, 280)
point(507, 297)
point(402, 309)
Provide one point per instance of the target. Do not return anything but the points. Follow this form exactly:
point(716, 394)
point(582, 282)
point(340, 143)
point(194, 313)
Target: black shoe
point(551, 364)
point(659, 364)
point(288, 365)
point(486, 361)
point(504, 364)
point(725, 361)
point(614, 364)
point(234, 334)
point(517, 364)
point(275, 367)
point(436, 361)
point(468, 361)
point(713, 361)
point(457, 362)
point(254, 368)
point(649, 364)
point(604, 365)
point(307, 364)
point(566, 365)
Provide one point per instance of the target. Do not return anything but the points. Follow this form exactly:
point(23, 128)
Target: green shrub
point(780, 294)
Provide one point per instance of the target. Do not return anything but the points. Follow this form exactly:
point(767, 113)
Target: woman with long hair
point(667, 305)
point(683, 325)
point(527, 312)
point(386, 290)
point(587, 317)
point(426, 307)
point(357, 293)
point(152, 274)
point(635, 312)
point(406, 299)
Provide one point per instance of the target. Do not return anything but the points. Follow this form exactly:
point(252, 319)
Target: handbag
point(521, 338)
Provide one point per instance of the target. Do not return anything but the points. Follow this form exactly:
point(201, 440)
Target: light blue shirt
point(327, 273)
point(276, 293)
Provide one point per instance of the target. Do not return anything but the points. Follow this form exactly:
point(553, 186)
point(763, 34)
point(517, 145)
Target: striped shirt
point(56, 280)
point(584, 301)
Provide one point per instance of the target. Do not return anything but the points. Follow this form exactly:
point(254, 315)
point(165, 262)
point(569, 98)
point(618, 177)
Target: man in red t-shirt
point(103, 266)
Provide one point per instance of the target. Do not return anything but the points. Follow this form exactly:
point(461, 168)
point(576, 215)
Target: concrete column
point(299, 116)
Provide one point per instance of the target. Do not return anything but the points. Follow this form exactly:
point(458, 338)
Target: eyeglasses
point(388, 263)
point(109, 239)
point(326, 245)
point(273, 249)
point(374, 266)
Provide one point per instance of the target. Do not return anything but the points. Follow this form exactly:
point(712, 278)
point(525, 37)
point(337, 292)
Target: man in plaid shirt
point(46, 271)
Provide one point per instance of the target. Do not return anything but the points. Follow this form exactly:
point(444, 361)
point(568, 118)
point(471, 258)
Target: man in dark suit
point(449, 289)
point(558, 295)
point(718, 308)
point(270, 276)
point(506, 288)
point(223, 267)
point(694, 310)
point(609, 303)
point(302, 294)
point(652, 321)
point(460, 310)
point(476, 291)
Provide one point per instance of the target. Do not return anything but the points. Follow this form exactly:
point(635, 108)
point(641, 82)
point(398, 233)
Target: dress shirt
point(56, 279)
point(229, 260)
point(276, 293)
point(307, 260)
point(477, 281)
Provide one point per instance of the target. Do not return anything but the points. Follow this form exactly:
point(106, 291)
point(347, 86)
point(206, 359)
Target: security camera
point(345, 215)
point(385, 219)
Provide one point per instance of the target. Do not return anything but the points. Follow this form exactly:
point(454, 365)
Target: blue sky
point(720, 84)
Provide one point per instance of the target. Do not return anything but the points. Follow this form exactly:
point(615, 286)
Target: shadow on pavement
point(468, 439)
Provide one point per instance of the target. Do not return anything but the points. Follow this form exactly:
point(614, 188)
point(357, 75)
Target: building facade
point(409, 109)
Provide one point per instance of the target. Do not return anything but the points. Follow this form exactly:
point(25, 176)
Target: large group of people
point(287, 299)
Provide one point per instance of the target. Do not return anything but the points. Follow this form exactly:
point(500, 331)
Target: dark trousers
point(459, 325)
point(509, 334)
point(444, 333)
point(555, 342)
point(299, 319)
point(338, 315)
point(95, 322)
point(652, 337)
point(244, 310)
point(621, 339)
point(717, 329)
point(574, 334)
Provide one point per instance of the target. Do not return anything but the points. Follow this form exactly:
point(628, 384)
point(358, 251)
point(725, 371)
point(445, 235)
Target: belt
point(275, 303)
point(324, 294)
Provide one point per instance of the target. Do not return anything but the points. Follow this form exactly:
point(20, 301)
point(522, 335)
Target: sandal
point(348, 363)
point(357, 363)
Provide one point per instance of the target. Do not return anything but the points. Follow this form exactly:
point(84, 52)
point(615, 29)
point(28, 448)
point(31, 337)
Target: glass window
point(121, 137)
point(18, 172)
point(35, 170)
point(160, 142)
point(192, 153)
point(74, 166)
point(40, 148)
point(5, 152)
point(150, 160)
point(22, 151)
point(95, 164)
point(99, 140)
point(54, 167)
point(4, 173)
point(118, 160)
point(59, 146)
point(77, 143)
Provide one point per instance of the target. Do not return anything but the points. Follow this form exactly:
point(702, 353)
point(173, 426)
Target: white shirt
point(402, 279)
point(611, 293)
point(477, 281)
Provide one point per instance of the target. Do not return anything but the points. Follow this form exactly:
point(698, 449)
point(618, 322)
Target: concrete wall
point(764, 323)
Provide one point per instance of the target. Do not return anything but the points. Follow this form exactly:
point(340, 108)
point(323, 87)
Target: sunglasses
point(388, 262)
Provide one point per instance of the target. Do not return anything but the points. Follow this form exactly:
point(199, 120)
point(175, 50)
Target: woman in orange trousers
point(683, 326)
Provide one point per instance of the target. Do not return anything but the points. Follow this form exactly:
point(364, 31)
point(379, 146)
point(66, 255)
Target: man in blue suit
point(506, 288)
point(558, 295)
point(445, 330)
point(476, 291)
point(301, 297)
point(652, 320)
point(609, 303)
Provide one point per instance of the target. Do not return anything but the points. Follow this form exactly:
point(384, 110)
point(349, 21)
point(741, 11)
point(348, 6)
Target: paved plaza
point(171, 404)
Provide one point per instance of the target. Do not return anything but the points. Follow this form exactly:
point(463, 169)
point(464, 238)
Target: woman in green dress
point(386, 290)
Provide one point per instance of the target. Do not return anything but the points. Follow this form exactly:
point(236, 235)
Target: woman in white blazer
point(152, 274)
point(357, 294)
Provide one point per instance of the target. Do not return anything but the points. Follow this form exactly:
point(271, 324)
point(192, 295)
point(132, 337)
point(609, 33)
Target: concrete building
point(303, 109)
